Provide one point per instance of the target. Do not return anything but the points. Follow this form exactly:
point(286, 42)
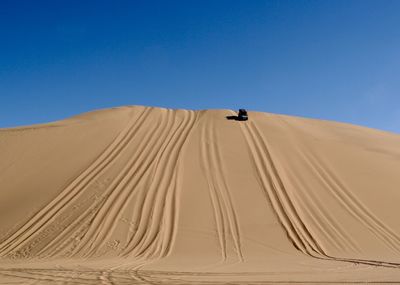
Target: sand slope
point(139, 195)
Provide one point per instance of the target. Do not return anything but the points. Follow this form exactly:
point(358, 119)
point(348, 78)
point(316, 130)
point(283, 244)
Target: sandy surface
point(138, 195)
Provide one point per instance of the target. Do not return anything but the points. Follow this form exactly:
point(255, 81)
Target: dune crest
point(150, 195)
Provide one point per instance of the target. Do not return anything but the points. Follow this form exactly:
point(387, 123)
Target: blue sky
point(335, 60)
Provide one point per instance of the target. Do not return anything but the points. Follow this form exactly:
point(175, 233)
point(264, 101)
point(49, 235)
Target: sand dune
point(140, 195)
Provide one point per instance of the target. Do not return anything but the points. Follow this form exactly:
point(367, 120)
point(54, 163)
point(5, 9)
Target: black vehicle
point(242, 115)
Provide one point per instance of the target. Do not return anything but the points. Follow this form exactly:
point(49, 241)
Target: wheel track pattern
point(215, 201)
point(146, 191)
point(119, 193)
point(224, 212)
point(276, 194)
point(142, 277)
point(152, 200)
point(348, 201)
point(282, 204)
point(91, 216)
point(327, 226)
point(46, 215)
point(158, 215)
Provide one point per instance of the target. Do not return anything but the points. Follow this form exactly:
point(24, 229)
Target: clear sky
point(335, 60)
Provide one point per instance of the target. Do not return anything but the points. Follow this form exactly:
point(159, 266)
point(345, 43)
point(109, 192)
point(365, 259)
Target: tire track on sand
point(306, 207)
point(157, 217)
point(219, 191)
point(283, 207)
point(277, 195)
point(215, 201)
point(319, 216)
point(97, 227)
point(350, 202)
point(47, 214)
point(123, 187)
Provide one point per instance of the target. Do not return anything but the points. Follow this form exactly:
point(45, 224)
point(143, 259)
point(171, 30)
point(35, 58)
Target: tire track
point(169, 226)
point(70, 235)
point(72, 191)
point(328, 227)
point(350, 202)
point(219, 191)
point(228, 201)
point(286, 213)
point(272, 186)
point(215, 201)
point(59, 221)
point(154, 188)
point(325, 224)
point(137, 177)
point(173, 196)
point(142, 277)
point(119, 192)
point(357, 209)
point(157, 215)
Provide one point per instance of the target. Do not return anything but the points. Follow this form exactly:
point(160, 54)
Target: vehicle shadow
point(234, 118)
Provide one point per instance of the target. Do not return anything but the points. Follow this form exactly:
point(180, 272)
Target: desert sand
point(140, 195)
